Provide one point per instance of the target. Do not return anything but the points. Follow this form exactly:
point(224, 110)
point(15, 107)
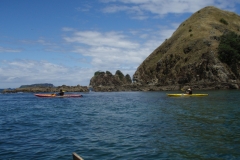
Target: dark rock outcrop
point(107, 81)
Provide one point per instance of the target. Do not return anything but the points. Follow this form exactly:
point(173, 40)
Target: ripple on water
point(120, 125)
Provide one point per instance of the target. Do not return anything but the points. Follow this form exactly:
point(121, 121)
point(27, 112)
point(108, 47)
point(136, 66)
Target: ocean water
point(121, 125)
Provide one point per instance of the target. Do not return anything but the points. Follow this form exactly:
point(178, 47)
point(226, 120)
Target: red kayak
point(54, 95)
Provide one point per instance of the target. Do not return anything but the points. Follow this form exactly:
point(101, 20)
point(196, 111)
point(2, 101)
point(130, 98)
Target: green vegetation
point(198, 35)
point(37, 85)
point(229, 50)
point(128, 78)
point(108, 79)
point(120, 74)
point(98, 73)
point(223, 21)
point(108, 73)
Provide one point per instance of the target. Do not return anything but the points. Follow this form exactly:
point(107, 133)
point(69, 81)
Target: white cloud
point(115, 8)
point(107, 50)
point(7, 50)
point(115, 50)
point(41, 41)
point(22, 72)
point(66, 29)
point(85, 6)
point(163, 7)
point(93, 38)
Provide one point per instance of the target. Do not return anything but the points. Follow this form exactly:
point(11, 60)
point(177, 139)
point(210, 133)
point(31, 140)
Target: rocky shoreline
point(129, 87)
point(197, 86)
point(48, 89)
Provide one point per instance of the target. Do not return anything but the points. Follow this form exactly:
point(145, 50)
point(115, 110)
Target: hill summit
point(191, 55)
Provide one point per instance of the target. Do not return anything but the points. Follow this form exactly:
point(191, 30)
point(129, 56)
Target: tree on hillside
point(229, 50)
point(128, 78)
point(108, 73)
point(119, 74)
point(98, 73)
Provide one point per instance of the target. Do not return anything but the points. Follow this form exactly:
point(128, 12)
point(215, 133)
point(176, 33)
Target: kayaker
point(189, 91)
point(61, 93)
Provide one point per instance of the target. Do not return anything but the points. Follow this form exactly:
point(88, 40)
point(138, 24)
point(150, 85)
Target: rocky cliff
point(102, 81)
point(190, 56)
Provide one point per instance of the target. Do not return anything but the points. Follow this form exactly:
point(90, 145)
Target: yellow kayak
point(182, 95)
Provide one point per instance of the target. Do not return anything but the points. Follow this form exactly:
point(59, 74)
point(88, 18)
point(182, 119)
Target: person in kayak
point(189, 91)
point(61, 93)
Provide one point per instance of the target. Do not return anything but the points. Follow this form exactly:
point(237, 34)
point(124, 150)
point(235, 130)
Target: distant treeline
point(37, 85)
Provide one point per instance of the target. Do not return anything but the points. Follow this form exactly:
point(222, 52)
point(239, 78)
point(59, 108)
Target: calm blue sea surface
point(121, 125)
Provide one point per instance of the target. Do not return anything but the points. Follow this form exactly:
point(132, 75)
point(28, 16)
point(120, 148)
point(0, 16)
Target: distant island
point(37, 85)
point(46, 87)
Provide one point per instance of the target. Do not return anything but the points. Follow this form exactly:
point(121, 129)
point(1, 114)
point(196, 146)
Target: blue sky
point(65, 42)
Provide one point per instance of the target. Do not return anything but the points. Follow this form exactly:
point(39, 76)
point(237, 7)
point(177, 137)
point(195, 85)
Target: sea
point(121, 125)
